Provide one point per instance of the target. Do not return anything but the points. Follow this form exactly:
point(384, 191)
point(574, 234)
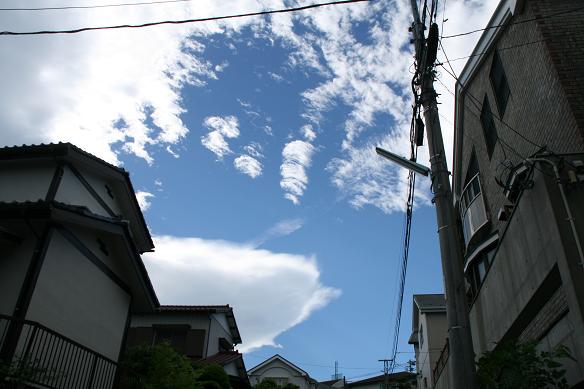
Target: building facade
point(281, 371)
point(429, 337)
point(207, 334)
point(518, 178)
point(401, 380)
point(71, 235)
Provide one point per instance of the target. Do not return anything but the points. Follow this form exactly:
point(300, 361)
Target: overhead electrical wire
point(512, 23)
point(498, 49)
point(68, 7)
point(185, 21)
point(477, 102)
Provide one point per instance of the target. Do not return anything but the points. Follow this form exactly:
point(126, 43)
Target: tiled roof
point(399, 376)
point(68, 151)
point(282, 359)
point(50, 149)
point(221, 358)
point(430, 302)
point(330, 382)
point(194, 308)
point(208, 309)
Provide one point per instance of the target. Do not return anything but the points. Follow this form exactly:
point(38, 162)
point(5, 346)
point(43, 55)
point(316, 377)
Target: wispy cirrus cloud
point(190, 270)
point(282, 228)
point(220, 129)
point(296, 158)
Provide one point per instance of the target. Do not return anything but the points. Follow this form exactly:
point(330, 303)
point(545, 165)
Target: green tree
point(157, 367)
point(267, 383)
point(290, 386)
point(515, 365)
point(212, 377)
point(162, 367)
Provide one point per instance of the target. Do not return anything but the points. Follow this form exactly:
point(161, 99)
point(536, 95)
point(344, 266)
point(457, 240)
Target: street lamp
point(404, 162)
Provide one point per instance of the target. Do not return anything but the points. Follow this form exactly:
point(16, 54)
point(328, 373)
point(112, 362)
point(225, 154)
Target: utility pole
point(461, 360)
point(385, 372)
point(411, 364)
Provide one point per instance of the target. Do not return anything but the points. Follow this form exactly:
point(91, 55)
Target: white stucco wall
point(25, 182)
point(424, 363)
point(434, 327)
point(278, 370)
point(231, 369)
point(376, 385)
point(212, 324)
point(76, 299)
point(71, 191)
point(14, 261)
point(219, 329)
point(98, 183)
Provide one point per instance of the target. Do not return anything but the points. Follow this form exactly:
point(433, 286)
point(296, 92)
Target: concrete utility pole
point(461, 360)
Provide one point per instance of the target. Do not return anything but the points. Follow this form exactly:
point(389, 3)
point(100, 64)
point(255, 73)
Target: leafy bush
point(157, 367)
point(515, 365)
point(161, 367)
point(268, 383)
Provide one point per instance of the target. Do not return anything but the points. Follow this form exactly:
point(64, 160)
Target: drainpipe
point(566, 205)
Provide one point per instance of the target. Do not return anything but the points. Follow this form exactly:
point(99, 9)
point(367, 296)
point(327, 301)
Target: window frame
point(499, 83)
point(488, 125)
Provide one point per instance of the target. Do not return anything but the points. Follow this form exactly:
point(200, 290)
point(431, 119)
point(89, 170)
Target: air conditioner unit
point(515, 182)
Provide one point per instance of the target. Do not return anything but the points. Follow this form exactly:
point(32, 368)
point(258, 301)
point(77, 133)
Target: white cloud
point(219, 129)
point(144, 200)
point(308, 132)
point(280, 229)
point(276, 77)
point(120, 91)
point(296, 158)
point(248, 165)
point(367, 179)
point(254, 282)
point(108, 91)
point(254, 149)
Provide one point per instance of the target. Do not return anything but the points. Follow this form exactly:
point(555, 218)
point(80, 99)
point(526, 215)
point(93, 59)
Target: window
point(109, 191)
point(472, 208)
point(102, 246)
point(479, 268)
point(499, 83)
point(175, 335)
point(488, 124)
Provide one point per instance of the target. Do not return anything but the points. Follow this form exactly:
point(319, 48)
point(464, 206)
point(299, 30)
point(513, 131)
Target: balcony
point(45, 358)
point(441, 363)
point(472, 209)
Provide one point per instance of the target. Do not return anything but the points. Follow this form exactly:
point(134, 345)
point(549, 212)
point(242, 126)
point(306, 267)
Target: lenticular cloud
point(252, 281)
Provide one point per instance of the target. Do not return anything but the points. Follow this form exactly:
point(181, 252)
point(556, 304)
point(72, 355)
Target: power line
point(517, 22)
point(95, 6)
point(185, 21)
point(498, 49)
point(453, 74)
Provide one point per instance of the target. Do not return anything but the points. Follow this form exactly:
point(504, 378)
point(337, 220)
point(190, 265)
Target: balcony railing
point(441, 363)
point(472, 208)
point(48, 359)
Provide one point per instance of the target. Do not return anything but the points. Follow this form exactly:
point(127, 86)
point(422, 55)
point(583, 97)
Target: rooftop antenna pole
point(385, 372)
point(461, 363)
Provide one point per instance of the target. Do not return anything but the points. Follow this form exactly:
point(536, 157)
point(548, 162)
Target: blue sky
point(251, 146)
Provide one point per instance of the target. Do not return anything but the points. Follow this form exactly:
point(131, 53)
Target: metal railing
point(441, 363)
point(472, 207)
point(48, 359)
